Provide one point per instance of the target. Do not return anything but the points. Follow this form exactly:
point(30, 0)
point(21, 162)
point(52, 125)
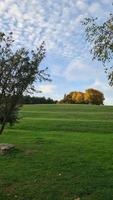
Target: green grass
point(63, 152)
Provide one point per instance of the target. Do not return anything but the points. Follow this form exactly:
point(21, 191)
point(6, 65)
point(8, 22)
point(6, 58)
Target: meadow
point(63, 152)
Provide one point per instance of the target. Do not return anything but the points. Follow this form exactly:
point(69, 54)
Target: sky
point(58, 23)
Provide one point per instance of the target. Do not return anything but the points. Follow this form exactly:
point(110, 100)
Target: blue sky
point(58, 23)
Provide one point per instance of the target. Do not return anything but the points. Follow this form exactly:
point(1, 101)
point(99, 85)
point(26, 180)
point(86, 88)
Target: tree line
point(37, 100)
point(90, 96)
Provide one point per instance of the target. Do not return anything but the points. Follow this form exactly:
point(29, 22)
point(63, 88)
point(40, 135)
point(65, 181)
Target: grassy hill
point(63, 152)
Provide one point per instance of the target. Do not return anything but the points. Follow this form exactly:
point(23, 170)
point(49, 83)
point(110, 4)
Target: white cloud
point(47, 88)
point(78, 70)
point(81, 5)
point(56, 70)
point(107, 1)
point(49, 91)
point(58, 23)
point(14, 11)
point(2, 7)
point(95, 8)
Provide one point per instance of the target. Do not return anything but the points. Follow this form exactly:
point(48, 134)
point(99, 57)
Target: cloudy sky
point(58, 23)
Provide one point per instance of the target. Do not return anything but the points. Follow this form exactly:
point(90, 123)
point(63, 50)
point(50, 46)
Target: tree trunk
point(2, 128)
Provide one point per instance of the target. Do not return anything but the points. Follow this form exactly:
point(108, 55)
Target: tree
point(67, 98)
point(37, 100)
point(93, 96)
point(100, 36)
point(19, 69)
point(80, 97)
point(74, 96)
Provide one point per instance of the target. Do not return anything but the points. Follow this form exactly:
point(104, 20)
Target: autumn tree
point(74, 96)
point(67, 98)
point(80, 97)
point(92, 96)
point(100, 36)
point(19, 69)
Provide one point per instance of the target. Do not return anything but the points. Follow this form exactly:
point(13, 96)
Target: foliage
point(18, 71)
point(79, 98)
point(100, 36)
point(37, 100)
point(91, 96)
point(67, 98)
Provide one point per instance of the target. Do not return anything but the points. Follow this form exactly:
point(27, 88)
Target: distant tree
point(18, 71)
point(100, 36)
point(37, 100)
point(80, 97)
point(67, 98)
point(74, 97)
point(93, 96)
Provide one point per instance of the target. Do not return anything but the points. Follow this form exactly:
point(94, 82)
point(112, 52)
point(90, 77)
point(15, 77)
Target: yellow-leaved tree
point(91, 96)
point(80, 97)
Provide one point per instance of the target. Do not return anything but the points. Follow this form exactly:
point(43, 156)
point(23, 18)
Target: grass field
point(63, 152)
